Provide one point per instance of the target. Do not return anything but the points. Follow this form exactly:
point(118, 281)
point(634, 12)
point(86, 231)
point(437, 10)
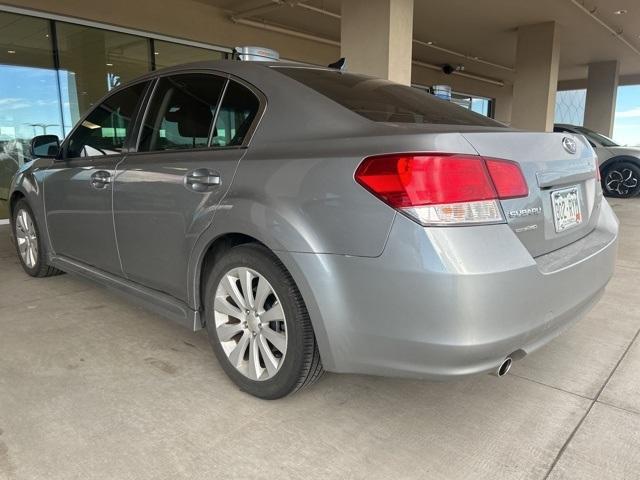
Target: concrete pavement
point(92, 387)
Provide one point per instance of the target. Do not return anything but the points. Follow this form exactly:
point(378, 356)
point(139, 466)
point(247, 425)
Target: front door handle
point(100, 179)
point(202, 179)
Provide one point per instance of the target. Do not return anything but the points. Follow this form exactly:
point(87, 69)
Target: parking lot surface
point(93, 387)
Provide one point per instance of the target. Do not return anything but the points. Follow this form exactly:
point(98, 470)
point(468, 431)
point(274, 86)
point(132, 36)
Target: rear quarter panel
point(301, 196)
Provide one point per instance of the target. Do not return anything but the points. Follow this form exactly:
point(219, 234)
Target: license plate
point(566, 208)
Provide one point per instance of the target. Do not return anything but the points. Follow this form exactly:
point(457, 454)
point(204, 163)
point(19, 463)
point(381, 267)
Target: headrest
point(192, 116)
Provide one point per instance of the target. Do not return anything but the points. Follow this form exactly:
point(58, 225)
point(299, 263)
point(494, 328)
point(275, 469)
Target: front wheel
point(621, 180)
point(29, 244)
point(258, 325)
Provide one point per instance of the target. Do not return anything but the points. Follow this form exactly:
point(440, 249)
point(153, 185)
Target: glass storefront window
point(167, 54)
point(29, 100)
point(92, 62)
point(39, 95)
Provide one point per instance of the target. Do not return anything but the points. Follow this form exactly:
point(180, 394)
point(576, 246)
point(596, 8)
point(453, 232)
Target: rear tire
point(29, 244)
point(621, 180)
point(264, 341)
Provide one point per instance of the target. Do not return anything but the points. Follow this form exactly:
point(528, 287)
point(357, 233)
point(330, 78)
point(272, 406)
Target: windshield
point(384, 101)
point(597, 137)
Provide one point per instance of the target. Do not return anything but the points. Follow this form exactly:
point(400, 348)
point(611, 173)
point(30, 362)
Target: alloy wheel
point(621, 181)
point(27, 238)
point(250, 323)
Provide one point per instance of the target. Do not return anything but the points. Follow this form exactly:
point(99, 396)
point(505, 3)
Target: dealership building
point(88, 391)
point(58, 58)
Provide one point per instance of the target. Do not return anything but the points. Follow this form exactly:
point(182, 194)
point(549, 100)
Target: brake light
point(443, 189)
point(507, 178)
point(598, 175)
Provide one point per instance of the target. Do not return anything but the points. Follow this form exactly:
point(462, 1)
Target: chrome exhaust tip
point(504, 367)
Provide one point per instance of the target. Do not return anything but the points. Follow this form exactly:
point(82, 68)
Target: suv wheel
point(621, 180)
point(28, 242)
point(258, 325)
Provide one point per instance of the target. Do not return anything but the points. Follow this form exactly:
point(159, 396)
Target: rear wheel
point(258, 324)
point(621, 180)
point(29, 244)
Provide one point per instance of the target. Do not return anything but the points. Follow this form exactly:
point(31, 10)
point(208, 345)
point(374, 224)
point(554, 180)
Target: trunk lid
point(548, 166)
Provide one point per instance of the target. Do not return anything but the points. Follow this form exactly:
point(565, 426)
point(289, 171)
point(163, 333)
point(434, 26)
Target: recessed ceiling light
point(109, 64)
point(11, 51)
point(47, 35)
point(156, 53)
point(620, 12)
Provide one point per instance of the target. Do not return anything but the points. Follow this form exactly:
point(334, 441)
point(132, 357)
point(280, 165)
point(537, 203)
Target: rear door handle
point(202, 179)
point(100, 179)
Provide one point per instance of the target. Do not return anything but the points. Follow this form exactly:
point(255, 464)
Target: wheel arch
point(13, 199)
point(205, 257)
point(618, 159)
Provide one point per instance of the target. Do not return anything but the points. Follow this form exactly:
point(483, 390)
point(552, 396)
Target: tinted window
point(384, 101)
point(105, 129)
point(181, 112)
point(239, 108)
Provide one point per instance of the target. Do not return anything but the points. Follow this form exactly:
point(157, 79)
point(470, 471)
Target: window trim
point(262, 106)
point(217, 112)
point(134, 120)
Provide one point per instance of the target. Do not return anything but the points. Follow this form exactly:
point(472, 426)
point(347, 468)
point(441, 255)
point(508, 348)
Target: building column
point(376, 38)
point(536, 79)
point(602, 91)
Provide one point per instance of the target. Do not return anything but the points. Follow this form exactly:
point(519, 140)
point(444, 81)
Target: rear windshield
point(384, 101)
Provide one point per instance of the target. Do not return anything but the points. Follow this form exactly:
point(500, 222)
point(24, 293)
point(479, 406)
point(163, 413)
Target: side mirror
point(45, 146)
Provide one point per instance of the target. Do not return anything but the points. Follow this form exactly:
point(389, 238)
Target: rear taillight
point(598, 175)
point(443, 189)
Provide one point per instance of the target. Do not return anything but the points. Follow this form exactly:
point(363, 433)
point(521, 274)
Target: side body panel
point(79, 214)
point(158, 218)
point(303, 198)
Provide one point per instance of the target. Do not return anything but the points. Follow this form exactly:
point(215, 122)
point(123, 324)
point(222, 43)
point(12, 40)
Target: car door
point(192, 137)
point(78, 187)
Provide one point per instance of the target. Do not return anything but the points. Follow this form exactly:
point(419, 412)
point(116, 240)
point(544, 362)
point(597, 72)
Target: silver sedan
point(314, 220)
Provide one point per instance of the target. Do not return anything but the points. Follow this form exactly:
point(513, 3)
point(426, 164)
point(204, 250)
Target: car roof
point(227, 66)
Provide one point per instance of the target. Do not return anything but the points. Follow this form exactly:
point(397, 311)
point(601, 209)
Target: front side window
point(104, 131)
point(181, 113)
point(384, 101)
point(239, 108)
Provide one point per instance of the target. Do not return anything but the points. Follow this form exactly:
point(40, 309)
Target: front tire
point(29, 243)
point(621, 180)
point(258, 325)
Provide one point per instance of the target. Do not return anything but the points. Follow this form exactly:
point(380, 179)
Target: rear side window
point(237, 112)
point(383, 101)
point(105, 129)
point(180, 115)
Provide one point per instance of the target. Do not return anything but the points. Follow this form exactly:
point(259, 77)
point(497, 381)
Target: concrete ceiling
point(487, 29)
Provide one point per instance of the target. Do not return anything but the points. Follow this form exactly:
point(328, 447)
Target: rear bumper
point(449, 302)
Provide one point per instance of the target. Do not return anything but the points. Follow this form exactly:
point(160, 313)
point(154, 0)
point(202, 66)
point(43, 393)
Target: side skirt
point(158, 302)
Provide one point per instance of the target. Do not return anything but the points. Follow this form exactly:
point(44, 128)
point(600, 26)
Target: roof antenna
point(339, 65)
